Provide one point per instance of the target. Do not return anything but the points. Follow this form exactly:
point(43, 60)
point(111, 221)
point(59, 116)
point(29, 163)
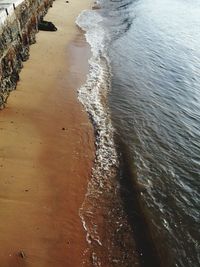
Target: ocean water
point(143, 97)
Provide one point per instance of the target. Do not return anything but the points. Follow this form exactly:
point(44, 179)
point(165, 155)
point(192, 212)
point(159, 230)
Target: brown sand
point(46, 150)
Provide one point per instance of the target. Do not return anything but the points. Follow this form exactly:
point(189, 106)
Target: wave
point(101, 213)
point(93, 94)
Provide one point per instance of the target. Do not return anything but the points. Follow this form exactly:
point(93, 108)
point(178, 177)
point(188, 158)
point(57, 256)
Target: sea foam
point(102, 213)
point(93, 96)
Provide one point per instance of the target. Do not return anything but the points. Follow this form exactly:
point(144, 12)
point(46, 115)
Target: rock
point(46, 26)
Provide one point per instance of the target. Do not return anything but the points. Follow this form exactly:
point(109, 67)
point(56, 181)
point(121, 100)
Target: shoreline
point(109, 233)
point(47, 150)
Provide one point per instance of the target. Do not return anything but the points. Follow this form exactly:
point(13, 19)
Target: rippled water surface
point(154, 47)
point(146, 54)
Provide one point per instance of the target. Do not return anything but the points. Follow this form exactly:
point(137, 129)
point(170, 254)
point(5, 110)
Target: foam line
point(93, 96)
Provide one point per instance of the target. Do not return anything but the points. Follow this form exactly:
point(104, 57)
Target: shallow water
point(152, 49)
point(155, 103)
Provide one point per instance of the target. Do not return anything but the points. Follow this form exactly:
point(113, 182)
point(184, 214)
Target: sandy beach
point(47, 150)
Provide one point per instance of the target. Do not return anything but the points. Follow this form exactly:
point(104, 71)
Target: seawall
point(18, 27)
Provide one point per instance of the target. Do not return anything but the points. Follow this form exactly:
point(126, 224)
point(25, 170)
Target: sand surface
point(46, 150)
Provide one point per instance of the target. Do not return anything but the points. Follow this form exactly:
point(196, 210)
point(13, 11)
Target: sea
point(142, 95)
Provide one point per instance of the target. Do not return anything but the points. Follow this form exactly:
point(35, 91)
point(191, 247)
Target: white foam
point(90, 21)
point(93, 96)
point(97, 85)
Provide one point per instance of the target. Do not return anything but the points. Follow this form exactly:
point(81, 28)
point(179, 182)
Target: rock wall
point(17, 33)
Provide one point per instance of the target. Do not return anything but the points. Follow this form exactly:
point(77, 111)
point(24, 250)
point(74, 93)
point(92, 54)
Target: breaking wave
point(93, 94)
point(101, 213)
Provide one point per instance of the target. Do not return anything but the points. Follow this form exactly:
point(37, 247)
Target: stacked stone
point(17, 33)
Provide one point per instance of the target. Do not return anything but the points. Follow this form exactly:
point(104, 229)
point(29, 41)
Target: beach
point(47, 150)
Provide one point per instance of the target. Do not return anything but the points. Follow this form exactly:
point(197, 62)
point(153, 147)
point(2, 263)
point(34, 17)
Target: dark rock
point(46, 26)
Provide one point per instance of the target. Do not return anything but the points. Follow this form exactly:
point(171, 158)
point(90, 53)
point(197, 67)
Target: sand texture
point(46, 150)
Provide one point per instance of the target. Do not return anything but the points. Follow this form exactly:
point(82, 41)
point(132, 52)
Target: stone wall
point(17, 33)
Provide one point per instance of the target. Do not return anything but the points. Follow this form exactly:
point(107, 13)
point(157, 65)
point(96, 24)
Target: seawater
point(108, 233)
point(143, 97)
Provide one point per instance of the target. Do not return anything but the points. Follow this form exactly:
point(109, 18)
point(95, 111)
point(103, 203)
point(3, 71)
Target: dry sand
point(46, 150)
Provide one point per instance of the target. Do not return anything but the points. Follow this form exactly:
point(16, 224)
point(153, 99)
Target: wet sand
point(46, 150)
